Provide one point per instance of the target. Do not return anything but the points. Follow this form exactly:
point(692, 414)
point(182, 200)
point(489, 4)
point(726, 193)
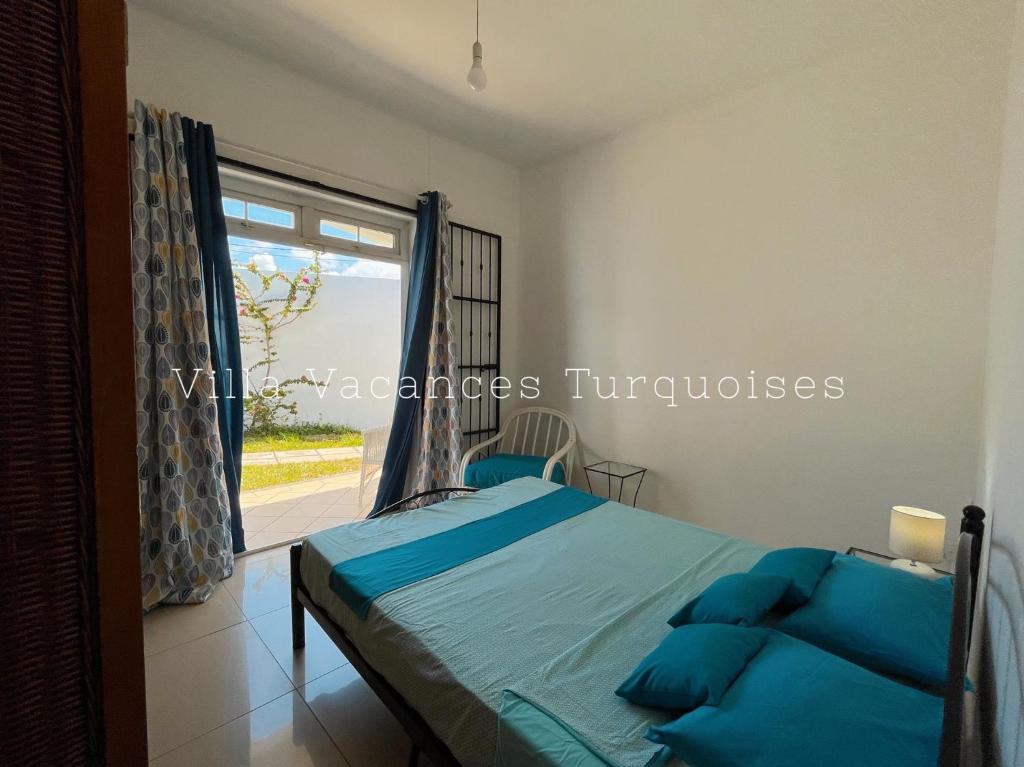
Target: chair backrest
point(537, 431)
point(375, 445)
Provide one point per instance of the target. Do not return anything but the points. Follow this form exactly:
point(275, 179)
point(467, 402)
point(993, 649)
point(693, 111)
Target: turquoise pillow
point(804, 566)
point(741, 599)
point(799, 706)
point(504, 467)
point(883, 619)
point(692, 666)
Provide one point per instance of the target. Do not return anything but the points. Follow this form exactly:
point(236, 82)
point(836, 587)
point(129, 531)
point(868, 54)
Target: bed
point(508, 658)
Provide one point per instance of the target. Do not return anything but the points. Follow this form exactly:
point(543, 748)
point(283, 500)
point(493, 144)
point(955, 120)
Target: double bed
point(509, 657)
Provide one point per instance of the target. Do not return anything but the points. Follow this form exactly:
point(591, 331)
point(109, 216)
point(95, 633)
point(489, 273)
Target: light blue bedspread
point(361, 580)
point(555, 620)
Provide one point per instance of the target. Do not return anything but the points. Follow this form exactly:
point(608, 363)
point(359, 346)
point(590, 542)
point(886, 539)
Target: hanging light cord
point(478, 20)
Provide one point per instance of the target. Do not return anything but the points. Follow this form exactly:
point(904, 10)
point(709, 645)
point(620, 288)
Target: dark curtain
point(415, 343)
point(222, 314)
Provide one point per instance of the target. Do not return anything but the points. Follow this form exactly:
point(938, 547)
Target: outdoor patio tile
point(347, 507)
point(326, 523)
point(288, 525)
point(253, 524)
point(326, 497)
point(302, 509)
point(272, 509)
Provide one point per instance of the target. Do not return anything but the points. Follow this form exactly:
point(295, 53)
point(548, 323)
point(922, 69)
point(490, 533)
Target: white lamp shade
point(917, 534)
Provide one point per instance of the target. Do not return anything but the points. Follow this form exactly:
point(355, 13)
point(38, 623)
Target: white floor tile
point(282, 733)
point(365, 731)
point(196, 687)
point(320, 655)
point(172, 625)
point(262, 584)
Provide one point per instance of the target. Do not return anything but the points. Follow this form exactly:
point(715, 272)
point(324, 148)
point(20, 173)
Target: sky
point(269, 256)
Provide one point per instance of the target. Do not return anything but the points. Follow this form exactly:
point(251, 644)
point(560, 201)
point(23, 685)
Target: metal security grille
point(476, 279)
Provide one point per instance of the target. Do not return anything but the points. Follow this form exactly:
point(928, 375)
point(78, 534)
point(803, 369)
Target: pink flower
point(305, 280)
point(243, 311)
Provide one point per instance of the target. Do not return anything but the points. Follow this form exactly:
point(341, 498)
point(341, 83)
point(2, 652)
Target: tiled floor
point(282, 513)
point(223, 686)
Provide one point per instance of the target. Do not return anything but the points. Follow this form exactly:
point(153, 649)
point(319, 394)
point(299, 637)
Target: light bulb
point(477, 78)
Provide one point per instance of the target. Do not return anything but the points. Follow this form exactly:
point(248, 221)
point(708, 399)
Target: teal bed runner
point(361, 580)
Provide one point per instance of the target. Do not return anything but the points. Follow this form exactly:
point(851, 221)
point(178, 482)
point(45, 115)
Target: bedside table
point(618, 470)
point(879, 559)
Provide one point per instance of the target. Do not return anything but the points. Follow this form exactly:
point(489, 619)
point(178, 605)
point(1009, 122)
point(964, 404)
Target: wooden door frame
point(106, 200)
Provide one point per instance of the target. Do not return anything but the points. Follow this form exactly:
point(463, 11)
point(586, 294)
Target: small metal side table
point(879, 559)
point(609, 470)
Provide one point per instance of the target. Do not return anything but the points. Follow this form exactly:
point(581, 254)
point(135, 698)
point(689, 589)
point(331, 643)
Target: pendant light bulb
point(477, 78)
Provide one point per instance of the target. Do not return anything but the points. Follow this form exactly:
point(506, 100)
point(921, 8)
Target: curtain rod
point(299, 180)
point(319, 186)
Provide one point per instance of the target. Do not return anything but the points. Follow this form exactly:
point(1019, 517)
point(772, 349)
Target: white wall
point(254, 103)
point(835, 222)
point(355, 328)
point(1002, 468)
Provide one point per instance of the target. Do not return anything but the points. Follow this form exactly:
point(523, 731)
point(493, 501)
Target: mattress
point(543, 629)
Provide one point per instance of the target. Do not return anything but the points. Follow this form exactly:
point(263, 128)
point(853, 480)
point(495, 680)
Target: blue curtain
point(415, 345)
point(221, 311)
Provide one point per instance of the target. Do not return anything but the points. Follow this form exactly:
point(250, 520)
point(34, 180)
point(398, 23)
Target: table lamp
point(919, 535)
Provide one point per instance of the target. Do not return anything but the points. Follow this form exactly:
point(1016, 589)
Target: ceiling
point(562, 73)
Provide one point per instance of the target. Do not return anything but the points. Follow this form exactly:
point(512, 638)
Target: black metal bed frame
point(425, 742)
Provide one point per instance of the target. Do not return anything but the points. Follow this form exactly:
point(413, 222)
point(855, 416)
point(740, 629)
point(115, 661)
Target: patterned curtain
point(437, 463)
point(184, 511)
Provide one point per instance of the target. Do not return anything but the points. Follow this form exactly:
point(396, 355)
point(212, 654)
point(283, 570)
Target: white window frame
point(309, 208)
point(312, 217)
point(310, 205)
point(257, 229)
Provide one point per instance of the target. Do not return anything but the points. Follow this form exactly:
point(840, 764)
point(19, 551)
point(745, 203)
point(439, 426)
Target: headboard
point(965, 589)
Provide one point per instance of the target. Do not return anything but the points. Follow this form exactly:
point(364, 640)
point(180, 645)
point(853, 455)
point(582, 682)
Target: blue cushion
point(741, 599)
point(795, 705)
point(883, 619)
point(804, 566)
point(693, 665)
point(503, 467)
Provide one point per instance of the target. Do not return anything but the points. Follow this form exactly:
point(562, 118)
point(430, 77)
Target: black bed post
point(973, 522)
point(298, 613)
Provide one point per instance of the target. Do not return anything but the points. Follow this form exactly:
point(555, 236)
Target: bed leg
point(414, 756)
point(298, 613)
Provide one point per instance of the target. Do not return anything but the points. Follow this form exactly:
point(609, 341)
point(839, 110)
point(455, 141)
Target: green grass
point(300, 436)
point(256, 476)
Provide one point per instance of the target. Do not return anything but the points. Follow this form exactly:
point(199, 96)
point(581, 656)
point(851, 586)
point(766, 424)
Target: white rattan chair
point(533, 431)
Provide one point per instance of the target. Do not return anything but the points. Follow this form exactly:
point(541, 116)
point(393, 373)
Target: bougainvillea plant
point(265, 305)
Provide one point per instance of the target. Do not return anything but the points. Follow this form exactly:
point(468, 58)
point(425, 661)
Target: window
point(360, 236)
point(251, 212)
point(304, 221)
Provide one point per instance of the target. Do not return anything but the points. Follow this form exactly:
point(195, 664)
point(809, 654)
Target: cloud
point(349, 266)
point(264, 261)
